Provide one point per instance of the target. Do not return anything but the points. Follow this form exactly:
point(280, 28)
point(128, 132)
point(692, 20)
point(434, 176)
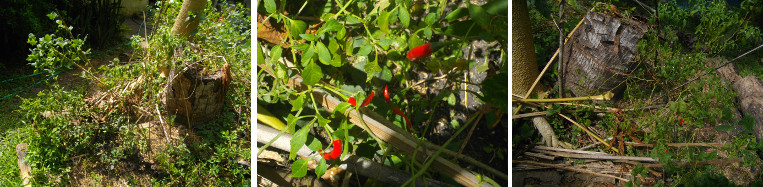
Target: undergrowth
point(100, 123)
point(678, 48)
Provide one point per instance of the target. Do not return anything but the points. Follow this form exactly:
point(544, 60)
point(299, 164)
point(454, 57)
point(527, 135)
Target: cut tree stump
point(194, 97)
point(600, 54)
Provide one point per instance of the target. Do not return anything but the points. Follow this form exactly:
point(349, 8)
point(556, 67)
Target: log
point(600, 54)
point(193, 96)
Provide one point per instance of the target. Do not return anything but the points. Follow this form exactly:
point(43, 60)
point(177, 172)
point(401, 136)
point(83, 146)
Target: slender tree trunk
point(185, 25)
point(524, 62)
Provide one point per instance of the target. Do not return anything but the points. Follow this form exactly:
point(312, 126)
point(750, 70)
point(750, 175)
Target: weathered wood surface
point(193, 96)
point(600, 54)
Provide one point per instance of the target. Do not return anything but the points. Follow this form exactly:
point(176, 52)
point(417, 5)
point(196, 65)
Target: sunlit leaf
point(312, 74)
point(323, 53)
point(299, 168)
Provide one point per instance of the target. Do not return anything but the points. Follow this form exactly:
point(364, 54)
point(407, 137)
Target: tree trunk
point(184, 25)
point(523, 64)
point(600, 54)
point(195, 98)
point(525, 68)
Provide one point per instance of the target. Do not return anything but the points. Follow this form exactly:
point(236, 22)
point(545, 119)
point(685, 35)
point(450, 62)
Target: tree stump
point(600, 54)
point(194, 97)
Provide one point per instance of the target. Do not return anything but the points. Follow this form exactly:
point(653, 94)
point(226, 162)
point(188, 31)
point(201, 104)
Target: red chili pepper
point(420, 52)
point(407, 121)
point(351, 101)
point(335, 153)
point(386, 94)
point(368, 100)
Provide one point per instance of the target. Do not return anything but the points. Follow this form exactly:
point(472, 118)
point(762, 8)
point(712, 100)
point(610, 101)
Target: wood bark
point(195, 98)
point(600, 55)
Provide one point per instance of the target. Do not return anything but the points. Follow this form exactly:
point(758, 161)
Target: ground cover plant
point(671, 111)
point(99, 120)
point(424, 66)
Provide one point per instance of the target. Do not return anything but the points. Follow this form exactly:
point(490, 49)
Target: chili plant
point(355, 49)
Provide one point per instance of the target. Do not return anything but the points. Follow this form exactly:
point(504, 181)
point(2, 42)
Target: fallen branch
point(570, 169)
point(598, 157)
point(568, 150)
point(540, 155)
point(589, 132)
point(677, 144)
point(603, 97)
point(592, 145)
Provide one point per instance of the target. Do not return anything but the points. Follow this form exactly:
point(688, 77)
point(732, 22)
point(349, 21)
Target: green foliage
point(361, 46)
point(722, 30)
point(51, 53)
point(61, 124)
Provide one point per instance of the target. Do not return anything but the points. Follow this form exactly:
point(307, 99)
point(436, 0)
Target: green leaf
point(299, 168)
point(383, 22)
point(333, 46)
point(275, 53)
point(291, 123)
point(309, 37)
point(297, 27)
point(341, 108)
point(371, 68)
point(365, 50)
point(405, 17)
point(313, 143)
point(415, 41)
point(724, 128)
point(495, 90)
point(502, 7)
point(460, 29)
point(348, 47)
point(312, 74)
point(341, 33)
point(385, 42)
point(301, 47)
point(331, 25)
point(297, 103)
point(321, 168)
point(452, 99)
point(431, 19)
point(337, 61)
point(270, 6)
point(458, 13)
point(308, 54)
point(479, 15)
point(260, 54)
point(323, 53)
point(322, 121)
point(52, 15)
point(298, 140)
